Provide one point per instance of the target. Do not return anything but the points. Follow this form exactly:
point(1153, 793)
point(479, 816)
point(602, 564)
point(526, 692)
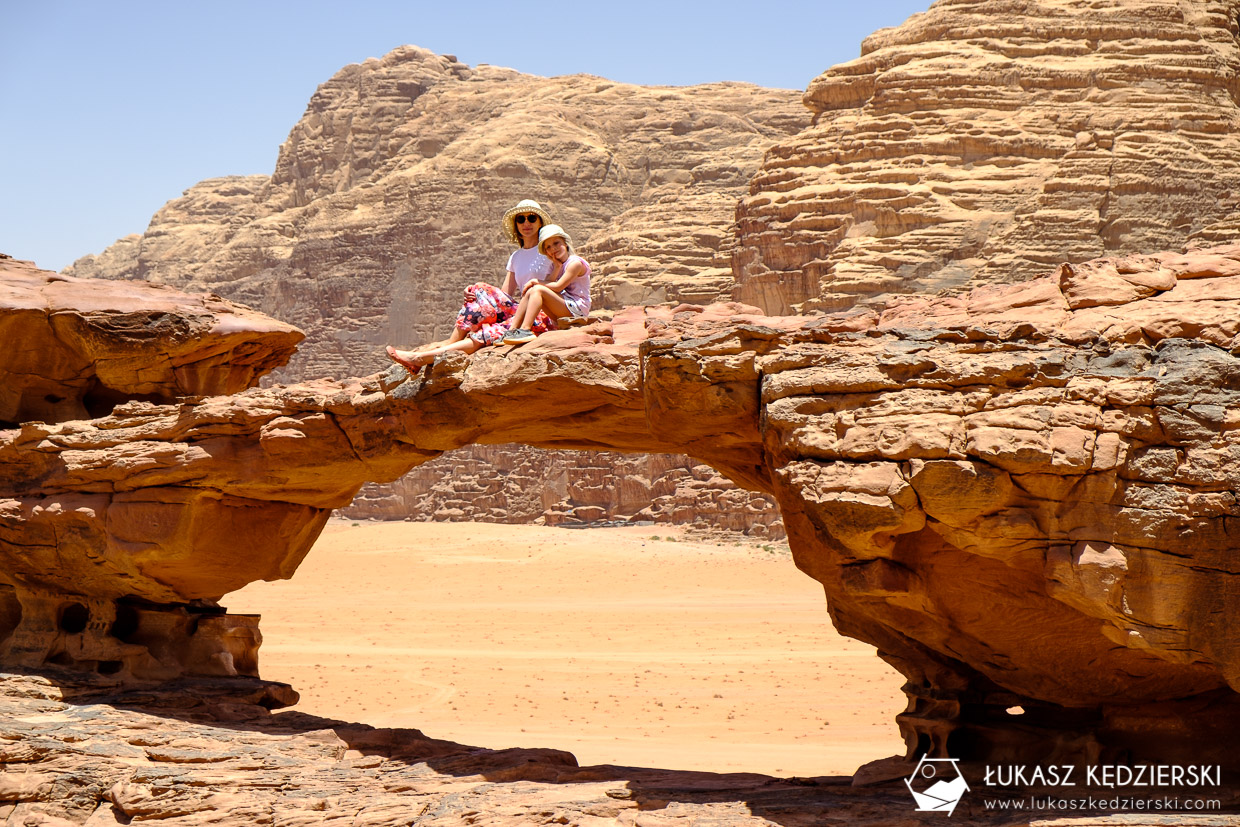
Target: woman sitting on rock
point(565, 293)
point(482, 319)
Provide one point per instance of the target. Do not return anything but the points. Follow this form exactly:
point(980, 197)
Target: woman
point(481, 321)
point(566, 292)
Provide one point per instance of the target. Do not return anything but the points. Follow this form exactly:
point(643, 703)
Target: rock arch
point(1025, 496)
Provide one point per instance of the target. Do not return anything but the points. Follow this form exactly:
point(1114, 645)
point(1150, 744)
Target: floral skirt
point(489, 316)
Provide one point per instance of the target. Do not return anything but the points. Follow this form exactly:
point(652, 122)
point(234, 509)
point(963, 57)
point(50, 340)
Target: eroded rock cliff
point(386, 199)
point(985, 137)
point(517, 484)
point(1024, 497)
point(76, 347)
point(387, 195)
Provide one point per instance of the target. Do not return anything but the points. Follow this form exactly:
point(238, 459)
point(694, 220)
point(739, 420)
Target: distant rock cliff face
point(516, 483)
point(387, 196)
point(386, 201)
point(983, 137)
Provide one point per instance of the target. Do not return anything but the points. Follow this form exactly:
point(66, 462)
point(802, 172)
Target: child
point(487, 308)
point(566, 293)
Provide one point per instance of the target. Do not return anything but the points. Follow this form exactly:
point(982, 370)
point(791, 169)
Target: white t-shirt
point(527, 264)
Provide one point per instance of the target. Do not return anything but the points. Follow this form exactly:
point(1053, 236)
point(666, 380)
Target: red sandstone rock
point(1016, 503)
point(985, 138)
point(76, 347)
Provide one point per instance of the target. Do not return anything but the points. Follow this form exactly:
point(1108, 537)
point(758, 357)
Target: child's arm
point(574, 269)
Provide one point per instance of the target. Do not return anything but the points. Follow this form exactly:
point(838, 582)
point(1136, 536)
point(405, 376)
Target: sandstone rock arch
point(1025, 496)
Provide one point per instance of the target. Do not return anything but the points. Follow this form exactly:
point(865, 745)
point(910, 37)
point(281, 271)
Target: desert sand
point(640, 645)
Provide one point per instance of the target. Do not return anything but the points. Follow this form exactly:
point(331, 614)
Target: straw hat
point(526, 206)
point(551, 231)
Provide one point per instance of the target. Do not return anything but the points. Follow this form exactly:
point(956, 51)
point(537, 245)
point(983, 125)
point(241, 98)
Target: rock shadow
point(210, 744)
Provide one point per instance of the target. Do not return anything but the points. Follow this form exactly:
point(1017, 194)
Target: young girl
point(481, 320)
point(566, 293)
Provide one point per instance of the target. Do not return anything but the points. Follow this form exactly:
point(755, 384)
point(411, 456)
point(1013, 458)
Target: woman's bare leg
point(417, 359)
point(454, 337)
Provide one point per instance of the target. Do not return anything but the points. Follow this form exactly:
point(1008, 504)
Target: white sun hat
point(551, 231)
point(527, 206)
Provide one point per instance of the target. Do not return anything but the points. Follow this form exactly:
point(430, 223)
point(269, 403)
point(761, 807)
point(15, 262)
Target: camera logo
point(937, 785)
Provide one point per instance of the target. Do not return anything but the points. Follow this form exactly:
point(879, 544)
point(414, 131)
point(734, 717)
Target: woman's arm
point(510, 283)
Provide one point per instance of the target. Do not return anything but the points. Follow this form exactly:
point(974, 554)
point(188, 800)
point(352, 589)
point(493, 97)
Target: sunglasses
point(521, 219)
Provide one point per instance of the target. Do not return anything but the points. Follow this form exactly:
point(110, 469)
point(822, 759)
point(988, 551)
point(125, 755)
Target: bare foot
point(409, 360)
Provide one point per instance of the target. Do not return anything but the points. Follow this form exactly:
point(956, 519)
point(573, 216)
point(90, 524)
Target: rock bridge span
point(1024, 497)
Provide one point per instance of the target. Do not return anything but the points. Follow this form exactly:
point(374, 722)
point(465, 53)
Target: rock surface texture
point(194, 754)
point(386, 201)
point(518, 484)
point(1024, 496)
point(74, 348)
point(79, 348)
point(983, 137)
point(387, 196)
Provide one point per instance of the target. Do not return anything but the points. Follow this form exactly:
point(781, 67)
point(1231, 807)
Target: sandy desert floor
point(641, 646)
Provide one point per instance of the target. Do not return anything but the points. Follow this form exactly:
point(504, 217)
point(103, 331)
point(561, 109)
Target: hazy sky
point(112, 109)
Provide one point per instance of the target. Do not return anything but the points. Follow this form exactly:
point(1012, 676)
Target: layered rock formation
point(78, 348)
point(517, 484)
point(983, 137)
point(75, 347)
point(386, 200)
point(1024, 497)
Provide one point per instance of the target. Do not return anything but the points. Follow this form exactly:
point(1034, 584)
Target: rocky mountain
point(386, 201)
point(985, 138)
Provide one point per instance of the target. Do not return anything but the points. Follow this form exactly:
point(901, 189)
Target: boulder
point(75, 348)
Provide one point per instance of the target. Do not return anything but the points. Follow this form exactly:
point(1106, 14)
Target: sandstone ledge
point(74, 348)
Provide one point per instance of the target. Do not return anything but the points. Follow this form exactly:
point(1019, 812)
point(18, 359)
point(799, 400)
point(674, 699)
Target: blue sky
point(112, 109)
